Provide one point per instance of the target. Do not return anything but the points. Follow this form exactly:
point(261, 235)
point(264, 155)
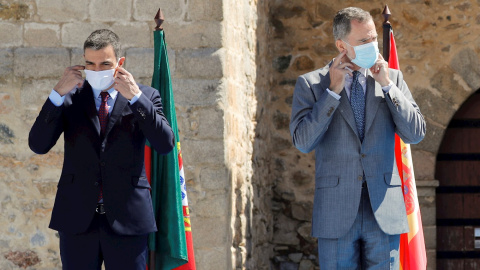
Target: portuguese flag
point(412, 244)
point(172, 246)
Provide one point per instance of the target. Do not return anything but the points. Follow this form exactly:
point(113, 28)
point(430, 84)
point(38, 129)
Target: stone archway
point(458, 196)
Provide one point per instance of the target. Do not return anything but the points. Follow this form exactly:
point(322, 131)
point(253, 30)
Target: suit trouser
point(87, 251)
point(365, 246)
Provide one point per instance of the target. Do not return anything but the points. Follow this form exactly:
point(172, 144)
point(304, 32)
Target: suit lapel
point(374, 95)
point(347, 112)
point(90, 109)
point(120, 104)
point(345, 108)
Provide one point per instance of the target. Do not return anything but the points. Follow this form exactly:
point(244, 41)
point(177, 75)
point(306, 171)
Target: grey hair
point(343, 18)
point(101, 38)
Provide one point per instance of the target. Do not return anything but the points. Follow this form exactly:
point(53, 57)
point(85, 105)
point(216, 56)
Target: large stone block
point(139, 61)
point(75, 34)
point(433, 137)
point(35, 92)
point(110, 10)
point(203, 151)
point(135, 34)
point(424, 164)
point(76, 57)
point(430, 234)
point(193, 92)
point(213, 206)
point(286, 238)
point(213, 258)
point(12, 34)
point(144, 10)
point(40, 62)
point(6, 62)
point(203, 123)
point(453, 89)
point(7, 103)
point(62, 10)
point(42, 35)
point(200, 63)
point(428, 215)
point(214, 178)
point(16, 11)
point(467, 64)
point(193, 35)
point(199, 10)
point(209, 232)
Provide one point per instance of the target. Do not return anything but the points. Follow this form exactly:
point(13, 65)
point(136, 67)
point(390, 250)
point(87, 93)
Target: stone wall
point(439, 56)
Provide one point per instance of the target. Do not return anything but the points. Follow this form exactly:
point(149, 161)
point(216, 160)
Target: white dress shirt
point(362, 78)
point(57, 100)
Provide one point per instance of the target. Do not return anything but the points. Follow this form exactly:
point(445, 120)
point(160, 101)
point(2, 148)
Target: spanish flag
point(412, 244)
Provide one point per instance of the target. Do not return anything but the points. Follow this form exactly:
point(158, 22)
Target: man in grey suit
point(349, 112)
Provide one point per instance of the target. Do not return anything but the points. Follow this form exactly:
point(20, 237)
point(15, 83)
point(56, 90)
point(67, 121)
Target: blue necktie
point(357, 101)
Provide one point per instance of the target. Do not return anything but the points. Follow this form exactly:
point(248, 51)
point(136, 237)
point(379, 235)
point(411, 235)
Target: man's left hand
point(125, 84)
point(380, 71)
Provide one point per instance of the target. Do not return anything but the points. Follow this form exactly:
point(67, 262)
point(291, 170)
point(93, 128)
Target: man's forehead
point(363, 30)
point(104, 54)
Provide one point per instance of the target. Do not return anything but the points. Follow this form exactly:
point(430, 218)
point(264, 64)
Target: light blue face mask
point(366, 55)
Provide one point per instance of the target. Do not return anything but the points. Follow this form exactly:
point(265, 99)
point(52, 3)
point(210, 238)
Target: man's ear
point(120, 61)
point(340, 45)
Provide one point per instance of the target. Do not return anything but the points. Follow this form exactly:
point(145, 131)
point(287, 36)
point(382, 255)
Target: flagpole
point(386, 33)
point(159, 19)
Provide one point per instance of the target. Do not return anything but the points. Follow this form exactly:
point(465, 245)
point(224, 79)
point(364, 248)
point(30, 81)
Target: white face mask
point(100, 80)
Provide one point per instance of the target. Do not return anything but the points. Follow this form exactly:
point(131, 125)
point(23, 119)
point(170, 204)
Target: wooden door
point(458, 196)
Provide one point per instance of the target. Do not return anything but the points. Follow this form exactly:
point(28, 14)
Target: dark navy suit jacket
point(116, 160)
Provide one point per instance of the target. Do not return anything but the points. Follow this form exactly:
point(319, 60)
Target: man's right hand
point(337, 73)
point(71, 77)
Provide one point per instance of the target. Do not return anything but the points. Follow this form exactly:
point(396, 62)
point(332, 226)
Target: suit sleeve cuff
point(387, 87)
point(135, 98)
point(335, 95)
point(56, 99)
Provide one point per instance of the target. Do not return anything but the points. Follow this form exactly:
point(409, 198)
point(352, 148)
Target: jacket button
point(363, 155)
point(360, 177)
point(102, 163)
point(96, 184)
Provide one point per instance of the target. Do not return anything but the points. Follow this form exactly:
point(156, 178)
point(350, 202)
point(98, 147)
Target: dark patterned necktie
point(357, 101)
point(103, 112)
point(103, 117)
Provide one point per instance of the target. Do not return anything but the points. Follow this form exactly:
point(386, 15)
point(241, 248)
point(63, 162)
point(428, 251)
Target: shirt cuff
point(387, 87)
point(135, 98)
point(335, 95)
point(56, 99)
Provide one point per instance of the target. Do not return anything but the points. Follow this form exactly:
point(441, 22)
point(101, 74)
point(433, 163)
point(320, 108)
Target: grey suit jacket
point(320, 122)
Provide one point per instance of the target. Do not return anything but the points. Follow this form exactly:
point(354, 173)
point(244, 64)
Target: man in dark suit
point(103, 208)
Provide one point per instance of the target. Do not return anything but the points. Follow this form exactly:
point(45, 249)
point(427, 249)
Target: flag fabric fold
point(412, 244)
point(168, 247)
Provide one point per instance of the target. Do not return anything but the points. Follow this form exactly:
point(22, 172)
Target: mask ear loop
point(347, 51)
point(118, 64)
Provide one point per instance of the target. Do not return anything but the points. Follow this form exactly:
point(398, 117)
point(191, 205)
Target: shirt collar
point(363, 71)
point(112, 92)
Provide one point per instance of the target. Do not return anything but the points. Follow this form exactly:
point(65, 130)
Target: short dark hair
point(100, 39)
point(343, 18)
